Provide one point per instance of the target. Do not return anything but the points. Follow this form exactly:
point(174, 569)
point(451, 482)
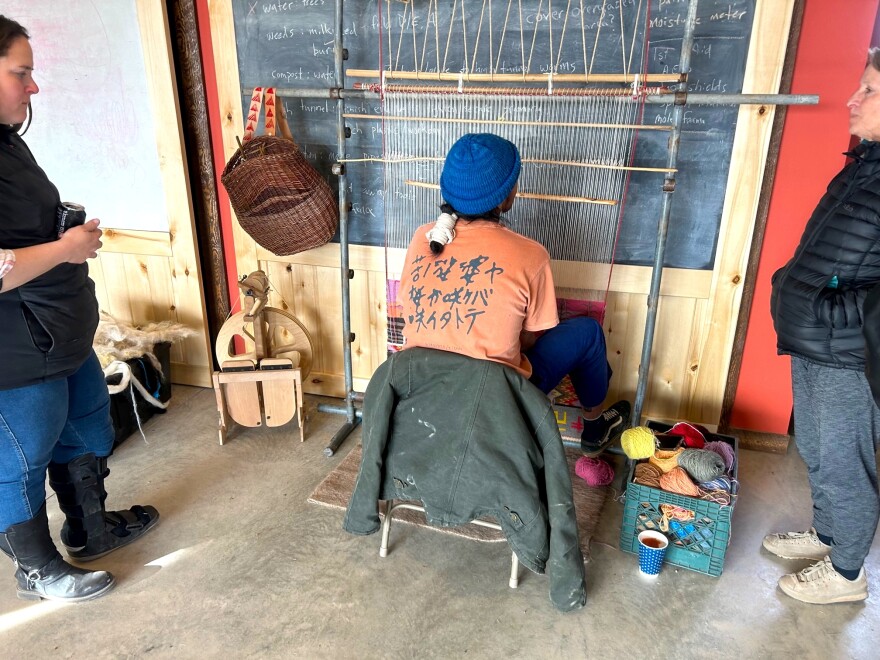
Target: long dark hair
point(10, 31)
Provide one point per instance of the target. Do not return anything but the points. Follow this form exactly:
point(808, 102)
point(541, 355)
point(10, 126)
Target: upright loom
point(576, 131)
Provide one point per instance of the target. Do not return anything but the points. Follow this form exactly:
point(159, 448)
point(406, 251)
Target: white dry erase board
point(93, 131)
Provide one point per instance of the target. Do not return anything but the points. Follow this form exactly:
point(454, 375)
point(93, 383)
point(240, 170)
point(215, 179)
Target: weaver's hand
point(83, 242)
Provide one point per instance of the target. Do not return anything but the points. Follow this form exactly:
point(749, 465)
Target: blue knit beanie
point(480, 171)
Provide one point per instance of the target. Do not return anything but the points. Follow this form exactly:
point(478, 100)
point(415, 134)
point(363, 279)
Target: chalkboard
point(290, 45)
point(93, 131)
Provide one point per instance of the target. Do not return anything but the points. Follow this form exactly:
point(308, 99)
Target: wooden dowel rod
point(505, 122)
point(566, 163)
point(515, 91)
point(514, 77)
point(551, 198)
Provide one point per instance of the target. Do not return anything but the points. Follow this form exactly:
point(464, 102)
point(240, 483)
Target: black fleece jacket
point(47, 324)
point(818, 296)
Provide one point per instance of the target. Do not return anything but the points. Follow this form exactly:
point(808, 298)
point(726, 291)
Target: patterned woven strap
point(253, 115)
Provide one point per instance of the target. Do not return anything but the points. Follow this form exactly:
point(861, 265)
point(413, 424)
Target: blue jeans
point(575, 347)
point(55, 421)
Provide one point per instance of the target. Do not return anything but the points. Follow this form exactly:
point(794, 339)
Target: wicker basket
point(280, 199)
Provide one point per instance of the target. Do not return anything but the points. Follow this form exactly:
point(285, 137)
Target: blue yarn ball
point(479, 172)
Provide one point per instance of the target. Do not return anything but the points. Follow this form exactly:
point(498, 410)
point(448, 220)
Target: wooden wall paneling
point(185, 270)
point(96, 273)
point(118, 301)
point(754, 124)
point(377, 315)
point(361, 353)
point(328, 304)
point(140, 295)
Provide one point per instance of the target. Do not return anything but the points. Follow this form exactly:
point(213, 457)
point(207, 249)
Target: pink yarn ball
point(594, 471)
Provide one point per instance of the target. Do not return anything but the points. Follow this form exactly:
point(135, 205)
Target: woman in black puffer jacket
point(817, 306)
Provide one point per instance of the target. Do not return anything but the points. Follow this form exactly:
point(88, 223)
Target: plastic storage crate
point(699, 545)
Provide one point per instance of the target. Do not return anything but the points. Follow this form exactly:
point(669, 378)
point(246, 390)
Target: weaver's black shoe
point(600, 432)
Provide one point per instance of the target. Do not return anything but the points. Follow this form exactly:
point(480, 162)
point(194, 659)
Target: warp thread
point(678, 481)
point(647, 475)
point(725, 451)
point(665, 459)
point(638, 442)
point(594, 471)
point(701, 464)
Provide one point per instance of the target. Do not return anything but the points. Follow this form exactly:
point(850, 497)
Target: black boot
point(40, 570)
point(90, 531)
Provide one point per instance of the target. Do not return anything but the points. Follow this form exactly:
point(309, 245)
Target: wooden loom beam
point(627, 78)
point(507, 122)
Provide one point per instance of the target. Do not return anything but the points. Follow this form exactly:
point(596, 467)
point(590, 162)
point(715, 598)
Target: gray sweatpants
point(837, 432)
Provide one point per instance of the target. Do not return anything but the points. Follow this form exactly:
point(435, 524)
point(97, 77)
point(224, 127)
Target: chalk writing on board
point(291, 44)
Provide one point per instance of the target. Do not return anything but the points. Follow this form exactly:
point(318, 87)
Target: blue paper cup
point(652, 549)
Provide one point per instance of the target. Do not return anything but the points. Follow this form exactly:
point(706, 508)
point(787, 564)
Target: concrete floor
point(242, 566)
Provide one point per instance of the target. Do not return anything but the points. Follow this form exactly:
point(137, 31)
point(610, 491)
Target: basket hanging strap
point(274, 115)
point(270, 111)
point(253, 115)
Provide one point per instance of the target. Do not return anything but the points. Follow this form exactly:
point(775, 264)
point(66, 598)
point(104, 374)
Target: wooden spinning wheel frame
point(283, 335)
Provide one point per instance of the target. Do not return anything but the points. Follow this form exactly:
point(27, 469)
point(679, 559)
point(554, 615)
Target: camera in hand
point(68, 215)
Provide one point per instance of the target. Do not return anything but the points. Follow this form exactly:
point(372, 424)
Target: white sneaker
point(796, 545)
point(820, 584)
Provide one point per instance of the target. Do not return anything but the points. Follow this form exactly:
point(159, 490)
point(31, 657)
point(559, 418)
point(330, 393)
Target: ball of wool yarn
point(724, 450)
point(594, 471)
point(647, 475)
point(721, 483)
point(665, 459)
point(701, 464)
point(693, 435)
point(637, 442)
point(678, 481)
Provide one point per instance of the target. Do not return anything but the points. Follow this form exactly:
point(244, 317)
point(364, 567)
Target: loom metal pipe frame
point(351, 417)
point(678, 100)
point(687, 43)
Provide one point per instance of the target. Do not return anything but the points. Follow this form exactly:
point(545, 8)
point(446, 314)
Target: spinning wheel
point(263, 384)
point(284, 337)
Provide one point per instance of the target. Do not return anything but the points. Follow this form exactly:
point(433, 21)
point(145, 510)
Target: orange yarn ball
point(678, 481)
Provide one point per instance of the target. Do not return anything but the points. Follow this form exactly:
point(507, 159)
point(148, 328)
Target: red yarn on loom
point(594, 471)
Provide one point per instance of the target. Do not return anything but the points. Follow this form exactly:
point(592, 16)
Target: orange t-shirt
point(475, 298)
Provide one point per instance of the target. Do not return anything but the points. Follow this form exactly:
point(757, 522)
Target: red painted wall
point(830, 58)
point(215, 121)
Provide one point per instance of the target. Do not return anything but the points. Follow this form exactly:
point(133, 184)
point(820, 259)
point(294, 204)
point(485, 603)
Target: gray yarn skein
point(701, 464)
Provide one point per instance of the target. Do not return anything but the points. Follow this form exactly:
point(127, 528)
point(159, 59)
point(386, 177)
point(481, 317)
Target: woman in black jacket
point(817, 306)
point(54, 404)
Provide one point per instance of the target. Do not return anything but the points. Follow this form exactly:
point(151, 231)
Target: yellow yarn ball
point(637, 442)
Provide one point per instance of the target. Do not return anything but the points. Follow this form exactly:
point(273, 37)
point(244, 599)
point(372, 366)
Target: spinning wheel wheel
point(284, 337)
